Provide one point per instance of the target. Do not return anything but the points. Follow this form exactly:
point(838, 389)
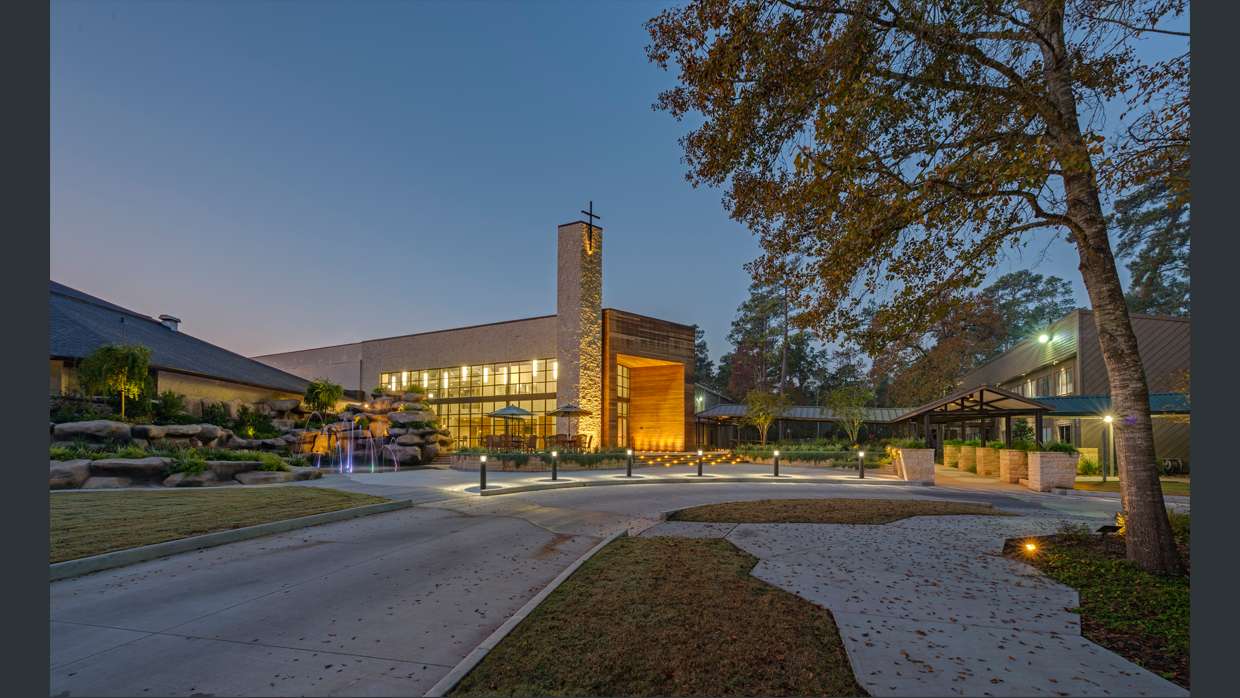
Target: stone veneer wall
point(968, 458)
point(1013, 465)
point(1049, 469)
point(988, 462)
point(917, 464)
point(951, 455)
point(579, 326)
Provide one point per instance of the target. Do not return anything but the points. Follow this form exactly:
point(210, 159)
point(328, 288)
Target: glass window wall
point(623, 381)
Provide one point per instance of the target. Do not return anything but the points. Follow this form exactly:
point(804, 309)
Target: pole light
point(628, 463)
point(482, 472)
point(861, 464)
point(777, 464)
point(699, 462)
point(1106, 441)
point(555, 458)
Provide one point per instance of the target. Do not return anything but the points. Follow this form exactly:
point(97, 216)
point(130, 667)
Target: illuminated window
point(622, 424)
point(623, 381)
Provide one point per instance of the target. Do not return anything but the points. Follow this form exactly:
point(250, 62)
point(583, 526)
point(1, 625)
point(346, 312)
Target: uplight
point(1030, 546)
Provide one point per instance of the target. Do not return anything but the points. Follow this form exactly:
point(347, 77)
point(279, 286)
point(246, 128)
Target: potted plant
point(1014, 461)
point(951, 452)
point(968, 456)
point(1053, 466)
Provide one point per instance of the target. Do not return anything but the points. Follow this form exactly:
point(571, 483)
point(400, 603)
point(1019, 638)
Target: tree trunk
point(1150, 542)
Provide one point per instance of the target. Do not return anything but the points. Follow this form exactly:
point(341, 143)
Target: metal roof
point(80, 323)
point(807, 413)
point(1100, 405)
point(978, 401)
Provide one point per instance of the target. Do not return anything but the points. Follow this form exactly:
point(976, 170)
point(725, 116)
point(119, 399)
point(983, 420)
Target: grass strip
point(85, 524)
point(668, 617)
point(1140, 616)
point(1175, 489)
point(828, 511)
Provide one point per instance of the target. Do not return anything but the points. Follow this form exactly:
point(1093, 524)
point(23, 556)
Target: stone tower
point(579, 328)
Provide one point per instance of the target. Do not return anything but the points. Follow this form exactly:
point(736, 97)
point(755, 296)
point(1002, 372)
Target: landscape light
point(1030, 546)
point(554, 454)
point(629, 452)
point(1107, 418)
point(861, 453)
point(1044, 339)
point(777, 453)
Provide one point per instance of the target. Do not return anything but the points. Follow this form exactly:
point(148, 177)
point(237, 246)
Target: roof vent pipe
point(170, 322)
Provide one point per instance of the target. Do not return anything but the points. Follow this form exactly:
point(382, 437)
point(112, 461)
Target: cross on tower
point(590, 213)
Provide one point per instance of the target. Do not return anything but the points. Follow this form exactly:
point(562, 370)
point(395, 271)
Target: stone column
point(579, 326)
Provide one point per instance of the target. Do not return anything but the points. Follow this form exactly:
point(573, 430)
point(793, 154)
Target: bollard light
point(482, 473)
point(776, 463)
point(555, 457)
point(861, 465)
point(699, 462)
point(628, 463)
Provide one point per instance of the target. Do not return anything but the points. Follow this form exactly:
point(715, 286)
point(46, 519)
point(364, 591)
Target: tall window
point(1065, 382)
point(1044, 387)
point(622, 424)
point(622, 381)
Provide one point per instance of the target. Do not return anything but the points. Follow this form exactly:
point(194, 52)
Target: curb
point(1170, 499)
point(95, 563)
point(492, 490)
point(467, 664)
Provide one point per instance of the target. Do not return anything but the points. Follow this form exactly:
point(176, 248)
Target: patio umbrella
point(570, 411)
point(510, 412)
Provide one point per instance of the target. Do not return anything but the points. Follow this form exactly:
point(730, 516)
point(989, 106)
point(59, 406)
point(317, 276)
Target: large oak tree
point(899, 148)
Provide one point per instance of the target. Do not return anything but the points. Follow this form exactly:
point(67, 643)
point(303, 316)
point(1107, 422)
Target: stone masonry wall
point(1049, 469)
point(579, 326)
point(951, 455)
point(1013, 465)
point(968, 457)
point(988, 462)
point(917, 464)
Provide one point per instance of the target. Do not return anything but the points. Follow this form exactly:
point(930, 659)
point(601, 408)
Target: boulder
point(98, 429)
point(409, 440)
point(207, 479)
point(305, 473)
point(193, 405)
point(412, 397)
point(261, 408)
point(149, 469)
point(282, 424)
point(277, 443)
point(140, 443)
point(410, 417)
point(151, 432)
point(429, 452)
point(382, 404)
point(393, 393)
point(446, 441)
point(175, 431)
point(228, 469)
point(425, 431)
point(232, 407)
point(411, 405)
point(209, 432)
point(283, 405)
point(405, 455)
point(209, 401)
point(174, 479)
point(105, 483)
point(395, 431)
point(263, 477)
point(69, 474)
point(445, 431)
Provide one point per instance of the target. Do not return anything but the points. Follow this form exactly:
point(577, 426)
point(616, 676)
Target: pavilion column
point(1037, 434)
point(1007, 430)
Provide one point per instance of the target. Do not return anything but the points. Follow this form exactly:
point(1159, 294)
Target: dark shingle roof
point(80, 323)
point(806, 413)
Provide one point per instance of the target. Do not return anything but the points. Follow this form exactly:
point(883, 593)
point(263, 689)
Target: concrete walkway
point(387, 605)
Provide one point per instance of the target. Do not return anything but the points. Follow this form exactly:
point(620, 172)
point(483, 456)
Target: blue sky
point(289, 175)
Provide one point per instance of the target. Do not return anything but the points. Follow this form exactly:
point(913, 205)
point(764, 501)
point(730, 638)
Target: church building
point(633, 373)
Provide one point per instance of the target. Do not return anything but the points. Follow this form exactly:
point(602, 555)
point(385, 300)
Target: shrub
point(1021, 429)
point(973, 442)
point(170, 408)
point(253, 424)
point(1087, 466)
point(415, 389)
point(954, 442)
point(132, 452)
point(972, 469)
point(1059, 447)
point(298, 462)
point(215, 414)
point(363, 423)
point(271, 461)
point(995, 444)
point(1072, 531)
point(62, 453)
point(190, 464)
point(322, 395)
point(913, 443)
point(1023, 445)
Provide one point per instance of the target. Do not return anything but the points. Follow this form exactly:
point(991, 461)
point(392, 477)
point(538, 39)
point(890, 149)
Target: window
point(1044, 387)
point(622, 381)
point(1065, 434)
point(1065, 382)
point(622, 424)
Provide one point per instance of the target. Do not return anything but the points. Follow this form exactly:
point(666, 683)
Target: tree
point(749, 369)
point(849, 406)
point(762, 408)
point(1153, 234)
point(900, 148)
point(1028, 303)
point(1022, 430)
point(116, 369)
point(322, 395)
point(703, 367)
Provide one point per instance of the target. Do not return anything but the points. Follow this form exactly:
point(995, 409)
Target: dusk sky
point(283, 175)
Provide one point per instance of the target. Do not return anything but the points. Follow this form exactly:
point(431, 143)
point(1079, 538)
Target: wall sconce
point(1044, 338)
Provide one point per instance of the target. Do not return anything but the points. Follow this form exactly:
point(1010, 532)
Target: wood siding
point(1028, 356)
point(1171, 440)
point(640, 336)
point(656, 410)
point(1163, 343)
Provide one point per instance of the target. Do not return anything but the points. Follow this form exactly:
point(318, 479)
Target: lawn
point(1142, 617)
point(1175, 489)
point(85, 524)
point(828, 511)
point(668, 617)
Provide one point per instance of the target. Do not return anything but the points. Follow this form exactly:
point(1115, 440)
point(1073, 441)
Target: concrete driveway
point(381, 605)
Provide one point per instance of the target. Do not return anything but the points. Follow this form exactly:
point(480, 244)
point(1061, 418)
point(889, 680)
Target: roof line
point(110, 308)
point(403, 336)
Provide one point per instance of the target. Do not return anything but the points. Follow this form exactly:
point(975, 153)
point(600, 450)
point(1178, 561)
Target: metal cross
point(590, 213)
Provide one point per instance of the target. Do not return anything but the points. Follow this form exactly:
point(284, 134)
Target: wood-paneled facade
point(659, 355)
point(1073, 345)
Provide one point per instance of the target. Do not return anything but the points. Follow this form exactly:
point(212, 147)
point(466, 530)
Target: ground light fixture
point(699, 462)
point(482, 472)
point(1106, 457)
point(555, 461)
point(776, 459)
point(628, 463)
point(861, 465)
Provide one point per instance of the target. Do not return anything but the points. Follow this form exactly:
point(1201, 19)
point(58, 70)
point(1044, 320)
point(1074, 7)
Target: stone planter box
point(1013, 465)
point(951, 455)
point(988, 462)
point(1049, 469)
point(916, 464)
point(968, 458)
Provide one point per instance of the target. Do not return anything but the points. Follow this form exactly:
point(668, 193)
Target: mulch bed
point(1146, 650)
point(829, 511)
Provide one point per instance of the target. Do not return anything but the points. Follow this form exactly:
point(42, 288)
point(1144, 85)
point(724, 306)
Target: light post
point(699, 462)
point(482, 473)
point(555, 461)
point(776, 463)
point(861, 464)
point(1106, 441)
point(628, 463)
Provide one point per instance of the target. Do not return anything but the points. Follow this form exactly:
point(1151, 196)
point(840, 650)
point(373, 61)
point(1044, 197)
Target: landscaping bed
point(85, 524)
point(1174, 489)
point(1144, 618)
point(829, 511)
point(668, 617)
